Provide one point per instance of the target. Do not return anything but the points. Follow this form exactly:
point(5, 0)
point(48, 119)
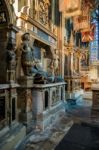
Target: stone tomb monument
point(11, 131)
point(41, 95)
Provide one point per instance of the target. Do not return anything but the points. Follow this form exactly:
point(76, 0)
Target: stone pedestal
point(8, 105)
point(25, 101)
point(11, 132)
point(48, 101)
point(95, 97)
point(73, 88)
point(40, 104)
point(26, 81)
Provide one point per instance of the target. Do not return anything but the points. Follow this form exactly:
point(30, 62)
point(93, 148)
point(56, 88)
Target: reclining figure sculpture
point(31, 67)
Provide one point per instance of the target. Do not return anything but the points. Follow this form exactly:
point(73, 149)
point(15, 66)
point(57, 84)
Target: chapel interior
point(49, 74)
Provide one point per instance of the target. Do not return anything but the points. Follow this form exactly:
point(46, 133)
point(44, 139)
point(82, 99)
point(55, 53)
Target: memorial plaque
point(2, 108)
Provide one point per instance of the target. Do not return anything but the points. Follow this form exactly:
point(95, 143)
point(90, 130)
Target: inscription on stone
point(2, 108)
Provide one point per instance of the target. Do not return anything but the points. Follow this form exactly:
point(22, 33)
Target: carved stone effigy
point(34, 84)
point(11, 54)
point(27, 58)
point(31, 67)
point(11, 63)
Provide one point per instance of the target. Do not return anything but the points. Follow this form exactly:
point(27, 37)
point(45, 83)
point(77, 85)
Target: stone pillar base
point(26, 81)
point(25, 102)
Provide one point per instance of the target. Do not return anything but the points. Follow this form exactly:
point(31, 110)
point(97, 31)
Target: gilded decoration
point(44, 10)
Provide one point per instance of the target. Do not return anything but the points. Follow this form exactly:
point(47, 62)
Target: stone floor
point(80, 137)
point(49, 139)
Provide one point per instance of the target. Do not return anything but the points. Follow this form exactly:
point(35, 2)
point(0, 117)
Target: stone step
point(12, 138)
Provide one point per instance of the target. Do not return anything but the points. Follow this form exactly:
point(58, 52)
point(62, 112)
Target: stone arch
point(11, 13)
point(6, 6)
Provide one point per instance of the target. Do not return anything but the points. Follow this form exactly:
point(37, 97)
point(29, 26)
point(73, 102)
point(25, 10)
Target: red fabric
point(88, 36)
point(82, 21)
